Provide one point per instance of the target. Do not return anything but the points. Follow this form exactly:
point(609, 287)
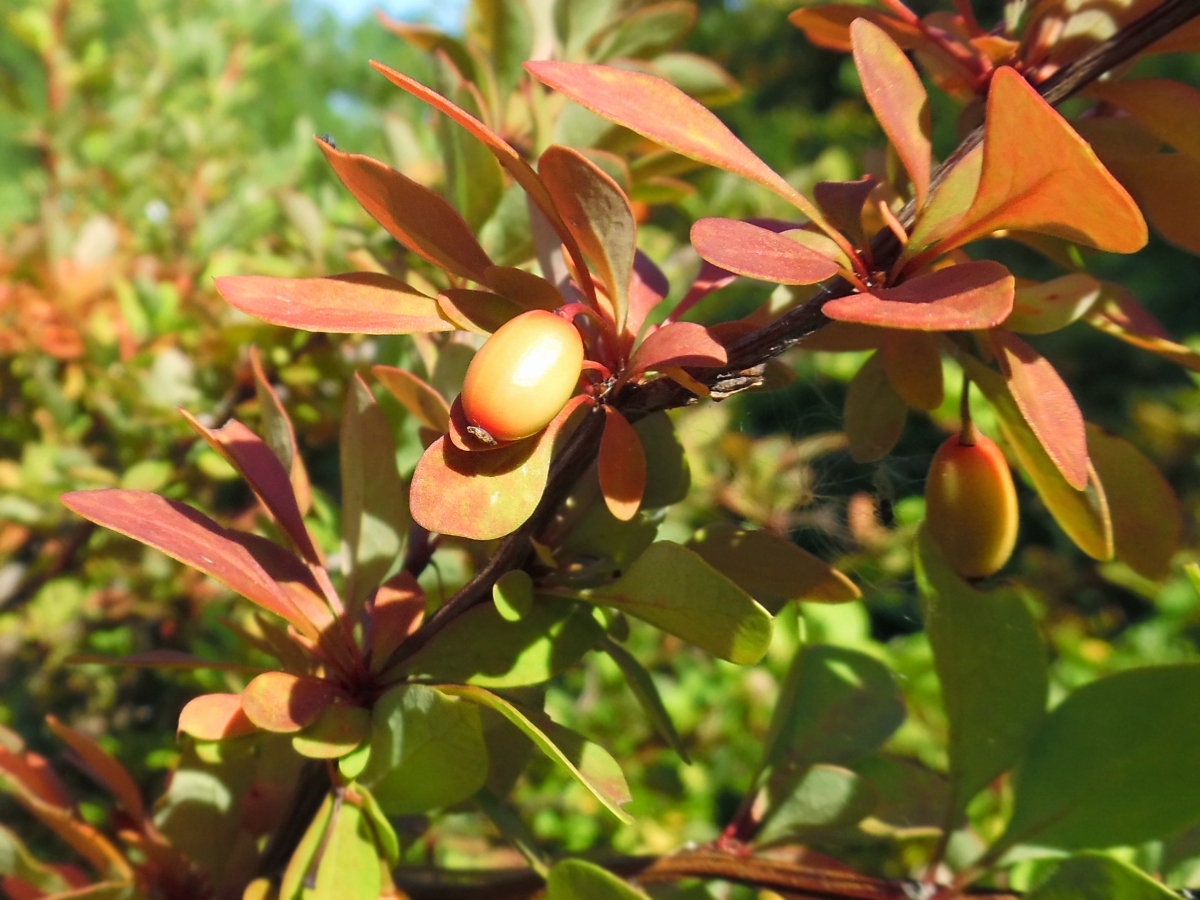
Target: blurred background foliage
point(147, 146)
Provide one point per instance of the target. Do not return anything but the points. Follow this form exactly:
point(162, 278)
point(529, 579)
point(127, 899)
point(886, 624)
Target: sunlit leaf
point(358, 303)
point(479, 311)
point(644, 689)
point(338, 730)
point(893, 88)
point(622, 466)
point(503, 30)
point(349, 862)
point(991, 664)
point(214, 717)
point(512, 595)
point(1147, 519)
point(966, 297)
point(828, 25)
point(674, 589)
point(678, 344)
point(1051, 305)
point(385, 834)
point(1119, 314)
point(1047, 405)
point(755, 252)
point(589, 763)
point(578, 879)
point(299, 866)
point(285, 703)
point(874, 413)
point(1113, 764)
point(419, 398)
point(825, 797)
point(948, 205)
point(771, 569)
point(397, 610)
point(1097, 876)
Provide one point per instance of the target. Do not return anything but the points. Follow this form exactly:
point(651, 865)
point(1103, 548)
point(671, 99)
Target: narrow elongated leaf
point(110, 773)
point(1039, 175)
point(991, 664)
point(1051, 305)
point(674, 589)
point(771, 569)
point(661, 112)
point(1114, 764)
point(413, 214)
point(214, 717)
point(159, 659)
point(1170, 110)
point(1146, 516)
point(874, 413)
point(262, 470)
point(597, 213)
point(280, 435)
point(419, 398)
point(644, 689)
point(913, 365)
point(484, 495)
point(1095, 876)
point(374, 513)
point(1047, 405)
point(474, 179)
point(1083, 515)
point(189, 536)
point(17, 862)
point(512, 161)
point(358, 303)
point(285, 703)
point(678, 344)
point(578, 879)
point(756, 252)
point(589, 763)
point(503, 30)
point(966, 297)
point(427, 750)
point(647, 289)
point(622, 466)
point(897, 97)
point(1119, 314)
point(646, 32)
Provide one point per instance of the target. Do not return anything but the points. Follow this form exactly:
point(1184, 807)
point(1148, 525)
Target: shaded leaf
point(597, 213)
point(358, 303)
point(427, 750)
point(646, 693)
point(667, 475)
point(503, 30)
point(578, 879)
point(413, 214)
point(17, 862)
point(755, 252)
point(215, 717)
point(1147, 519)
point(1047, 405)
point(698, 77)
point(1113, 764)
point(110, 773)
point(842, 202)
point(524, 288)
point(991, 664)
point(396, 611)
point(966, 297)
point(419, 398)
point(385, 834)
point(285, 703)
point(771, 569)
point(338, 730)
point(674, 589)
point(913, 365)
point(1170, 110)
point(622, 466)
point(677, 344)
point(512, 595)
point(647, 289)
point(825, 797)
point(589, 763)
point(874, 413)
point(1051, 305)
point(481, 312)
point(646, 32)
point(1167, 185)
point(893, 88)
point(484, 495)
point(1095, 876)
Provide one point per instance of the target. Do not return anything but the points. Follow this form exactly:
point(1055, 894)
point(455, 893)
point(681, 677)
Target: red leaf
point(357, 303)
point(965, 297)
point(828, 25)
point(214, 717)
point(396, 612)
point(285, 703)
point(1039, 175)
point(874, 413)
point(678, 344)
point(265, 474)
point(759, 253)
point(520, 170)
point(103, 767)
point(661, 112)
point(33, 775)
point(1047, 405)
point(648, 289)
point(280, 435)
point(413, 214)
point(622, 466)
point(482, 496)
point(894, 90)
point(597, 213)
point(426, 404)
point(189, 536)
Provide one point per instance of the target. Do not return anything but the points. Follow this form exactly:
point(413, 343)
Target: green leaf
point(1093, 876)
point(589, 763)
point(645, 32)
point(991, 663)
point(374, 513)
point(674, 589)
point(647, 695)
point(503, 31)
point(483, 647)
point(1114, 764)
point(349, 865)
point(513, 595)
point(474, 177)
point(302, 859)
point(338, 731)
point(385, 835)
point(826, 797)
point(18, 862)
point(577, 879)
point(874, 413)
point(427, 750)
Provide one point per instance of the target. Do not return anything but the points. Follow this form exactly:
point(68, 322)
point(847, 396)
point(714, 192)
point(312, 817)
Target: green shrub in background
point(440, 626)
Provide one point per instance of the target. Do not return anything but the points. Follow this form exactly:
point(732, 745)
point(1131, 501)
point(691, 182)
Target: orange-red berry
point(523, 375)
point(971, 506)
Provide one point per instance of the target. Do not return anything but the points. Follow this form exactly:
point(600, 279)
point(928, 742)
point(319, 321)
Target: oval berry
point(971, 506)
point(523, 375)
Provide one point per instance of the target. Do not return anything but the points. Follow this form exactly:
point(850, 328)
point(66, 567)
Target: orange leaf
point(357, 303)
point(759, 252)
point(280, 434)
point(421, 400)
point(214, 717)
point(524, 288)
point(1170, 110)
point(914, 367)
point(828, 25)
point(661, 112)
point(103, 766)
point(1039, 175)
point(1047, 405)
point(413, 214)
point(622, 466)
point(874, 413)
point(1167, 185)
point(1184, 39)
point(894, 90)
point(965, 297)
point(678, 344)
point(285, 703)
